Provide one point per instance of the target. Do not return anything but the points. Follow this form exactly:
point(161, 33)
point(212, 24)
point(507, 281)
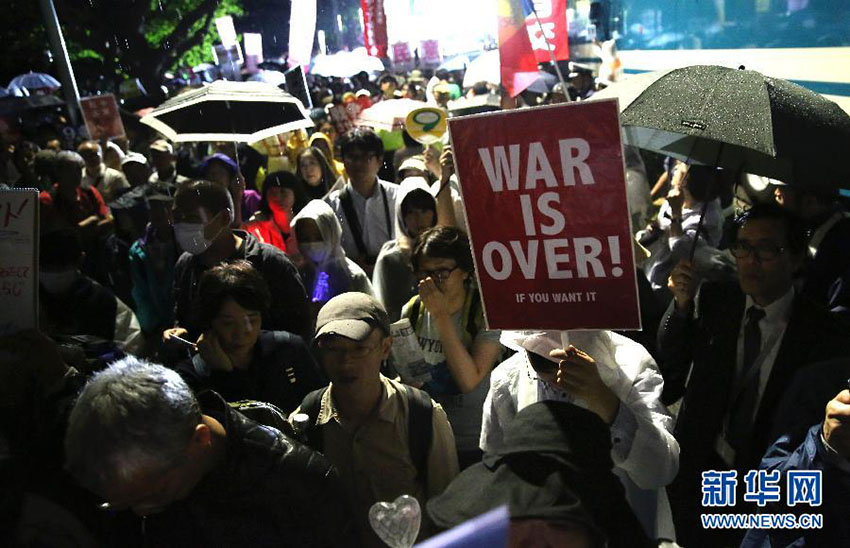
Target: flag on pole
point(518, 63)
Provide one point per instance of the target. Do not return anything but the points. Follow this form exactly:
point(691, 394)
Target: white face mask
point(317, 252)
point(59, 282)
point(190, 236)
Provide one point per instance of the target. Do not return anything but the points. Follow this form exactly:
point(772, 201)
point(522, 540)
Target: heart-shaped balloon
point(397, 522)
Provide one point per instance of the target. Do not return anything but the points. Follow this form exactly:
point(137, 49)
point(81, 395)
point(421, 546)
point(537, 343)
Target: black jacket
point(288, 310)
point(703, 351)
point(282, 373)
point(709, 342)
point(270, 491)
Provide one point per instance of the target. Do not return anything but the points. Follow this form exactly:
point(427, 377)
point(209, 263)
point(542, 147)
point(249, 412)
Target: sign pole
point(60, 53)
point(551, 53)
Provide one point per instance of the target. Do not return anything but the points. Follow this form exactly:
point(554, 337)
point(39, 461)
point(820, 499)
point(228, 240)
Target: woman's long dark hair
point(328, 179)
point(284, 179)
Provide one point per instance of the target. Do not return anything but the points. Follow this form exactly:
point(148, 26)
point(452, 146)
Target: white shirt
point(644, 451)
point(106, 180)
point(371, 215)
point(772, 326)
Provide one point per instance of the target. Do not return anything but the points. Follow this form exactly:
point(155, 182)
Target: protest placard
point(101, 116)
point(18, 260)
point(296, 85)
point(545, 197)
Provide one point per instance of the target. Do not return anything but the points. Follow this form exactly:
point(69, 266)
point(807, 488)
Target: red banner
point(545, 197)
point(552, 29)
point(374, 27)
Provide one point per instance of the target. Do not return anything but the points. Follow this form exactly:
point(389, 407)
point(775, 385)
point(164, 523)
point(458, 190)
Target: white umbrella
point(35, 80)
point(229, 111)
point(458, 62)
point(274, 77)
point(345, 64)
point(389, 114)
point(484, 68)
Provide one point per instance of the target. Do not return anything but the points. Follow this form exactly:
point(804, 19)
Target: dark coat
point(87, 308)
point(288, 310)
point(705, 347)
point(555, 465)
point(270, 491)
point(282, 373)
point(709, 342)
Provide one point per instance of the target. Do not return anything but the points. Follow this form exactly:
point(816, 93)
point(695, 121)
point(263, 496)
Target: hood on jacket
point(320, 212)
point(618, 359)
point(407, 186)
point(319, 136)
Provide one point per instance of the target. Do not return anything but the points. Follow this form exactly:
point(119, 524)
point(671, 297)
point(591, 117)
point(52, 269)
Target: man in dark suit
point(730, 352)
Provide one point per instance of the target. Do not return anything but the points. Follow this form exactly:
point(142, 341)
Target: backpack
point(264, 413)
point(419, 425)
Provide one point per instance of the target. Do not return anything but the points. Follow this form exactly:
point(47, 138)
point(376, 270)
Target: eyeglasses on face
point(742, 250)
point(439, 275)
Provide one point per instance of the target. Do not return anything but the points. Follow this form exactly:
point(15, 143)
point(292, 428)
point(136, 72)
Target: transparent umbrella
point(34, 81)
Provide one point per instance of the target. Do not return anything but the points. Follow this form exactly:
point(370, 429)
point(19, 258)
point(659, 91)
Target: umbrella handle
point(699, 230)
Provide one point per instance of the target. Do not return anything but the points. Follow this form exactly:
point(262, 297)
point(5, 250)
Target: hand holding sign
point(578, 375)
point(447, 165)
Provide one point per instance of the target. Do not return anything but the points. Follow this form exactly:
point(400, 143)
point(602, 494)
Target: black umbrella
point(737, 119)
point(229, 111)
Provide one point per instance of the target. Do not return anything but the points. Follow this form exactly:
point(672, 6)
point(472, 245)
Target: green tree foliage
point(142, 38)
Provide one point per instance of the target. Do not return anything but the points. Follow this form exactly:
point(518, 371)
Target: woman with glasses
point(235, 356)
point(449, 323)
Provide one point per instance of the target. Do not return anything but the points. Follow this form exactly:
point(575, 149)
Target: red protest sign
point(401, 53)
point(545, 196)
point(431, 52)
point(101, 115)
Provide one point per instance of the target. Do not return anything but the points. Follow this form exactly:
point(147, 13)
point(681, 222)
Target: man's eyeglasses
point(741, 250)
point(439, 275)
point(339, 352)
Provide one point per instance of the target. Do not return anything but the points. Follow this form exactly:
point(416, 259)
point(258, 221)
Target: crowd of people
point(214, 363)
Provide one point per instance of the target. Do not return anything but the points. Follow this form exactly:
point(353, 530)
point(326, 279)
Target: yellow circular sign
point(426, 125)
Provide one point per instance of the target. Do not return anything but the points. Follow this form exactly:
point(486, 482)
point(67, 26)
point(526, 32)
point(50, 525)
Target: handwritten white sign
point(18, 260)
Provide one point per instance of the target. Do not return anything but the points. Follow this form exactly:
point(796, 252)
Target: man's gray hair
point(70, 157)
point(132, 416)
